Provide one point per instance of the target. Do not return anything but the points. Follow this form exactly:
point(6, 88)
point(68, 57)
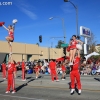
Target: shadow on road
point(19, 76)
point(1, 81)
point(30, 81)
point(98, 79)
point(23, 85)
point(28, 77)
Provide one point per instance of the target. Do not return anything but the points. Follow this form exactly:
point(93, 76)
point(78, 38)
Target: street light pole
point(50, 47)
point(76, 15)
point(63, 26)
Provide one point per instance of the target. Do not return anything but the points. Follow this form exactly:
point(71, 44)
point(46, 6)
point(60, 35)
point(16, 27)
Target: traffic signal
point(40, 38)
point(64, 50)
point(66, 0)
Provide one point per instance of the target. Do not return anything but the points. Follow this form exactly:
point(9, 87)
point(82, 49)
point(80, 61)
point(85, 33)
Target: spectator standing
point(94, 69)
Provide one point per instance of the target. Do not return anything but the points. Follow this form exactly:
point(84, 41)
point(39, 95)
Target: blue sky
point(33, 19)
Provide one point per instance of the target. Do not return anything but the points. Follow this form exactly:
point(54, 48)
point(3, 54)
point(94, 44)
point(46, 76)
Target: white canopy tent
point(91, 54)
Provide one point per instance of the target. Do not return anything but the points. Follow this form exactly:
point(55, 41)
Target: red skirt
point(15, 69)
point(73, 47)
point(63, 68)
point(36, 69)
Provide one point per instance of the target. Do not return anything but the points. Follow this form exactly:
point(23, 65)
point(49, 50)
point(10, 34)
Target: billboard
point(84, 31)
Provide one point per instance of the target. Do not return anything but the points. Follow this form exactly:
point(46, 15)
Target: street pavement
point(44, 89)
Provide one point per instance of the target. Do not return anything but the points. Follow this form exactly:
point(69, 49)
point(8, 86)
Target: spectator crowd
point(89, 67)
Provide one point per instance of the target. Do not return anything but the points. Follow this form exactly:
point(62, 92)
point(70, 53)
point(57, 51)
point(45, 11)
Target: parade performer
point(36, 69)
point(4, 70)
point(15, 69)
point(11, 81)
point(10, 37)
point(63, 70)
point(73, 48)
point(23, 70)
point(75, 74)
point(53, 71)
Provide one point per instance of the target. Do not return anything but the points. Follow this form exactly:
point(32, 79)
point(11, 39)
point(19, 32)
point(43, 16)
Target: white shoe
point(24, 80)
point(10, 53)
point(63, 79)
point(57, 80)
point(7, 92)
point(79, 91)
point(70, 63)
point(36, 77)
point(13, 92)
point(72, 91)
point(4, 78)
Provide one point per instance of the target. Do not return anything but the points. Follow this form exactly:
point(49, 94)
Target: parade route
point(44, 89)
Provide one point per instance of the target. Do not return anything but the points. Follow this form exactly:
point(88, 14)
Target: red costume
point(4, 70)
point(52, 66)
point(23, 70)
point(11, 81)
point(73, 44)
point(75, 74)
point(39, 67)
point(63, 68)
point(11, 34)
point(36, 69)
point(15, 69)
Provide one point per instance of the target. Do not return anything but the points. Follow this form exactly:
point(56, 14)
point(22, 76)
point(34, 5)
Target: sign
point(84, 31)
point(64, 45)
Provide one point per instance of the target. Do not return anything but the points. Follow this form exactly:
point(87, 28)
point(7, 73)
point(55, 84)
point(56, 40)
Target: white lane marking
point(21, 97)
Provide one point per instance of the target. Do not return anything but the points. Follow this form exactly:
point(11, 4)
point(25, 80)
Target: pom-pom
point(78, 46)
point(2, 23)
point(14, 21)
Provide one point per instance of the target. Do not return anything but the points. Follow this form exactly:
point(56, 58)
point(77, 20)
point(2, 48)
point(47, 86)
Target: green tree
point(59, 44)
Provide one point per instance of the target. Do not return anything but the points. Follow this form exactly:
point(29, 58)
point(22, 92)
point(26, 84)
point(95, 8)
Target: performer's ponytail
point(78, 37)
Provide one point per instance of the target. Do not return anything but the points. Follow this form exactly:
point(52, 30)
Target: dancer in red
point(4, 70)
point(23, 70)
point(52, 66)
point(15, 69)
point(63, 70)
point(11, 81)
point(73, 48)
point(10, 37)
point(36, 69)
point(75, 74)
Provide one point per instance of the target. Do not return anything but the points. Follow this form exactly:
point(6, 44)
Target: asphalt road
point(44, 89)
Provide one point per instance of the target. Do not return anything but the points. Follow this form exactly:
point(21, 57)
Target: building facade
point(29, 52)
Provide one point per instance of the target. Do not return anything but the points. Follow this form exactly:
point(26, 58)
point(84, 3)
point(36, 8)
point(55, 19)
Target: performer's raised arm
point(5, 27)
